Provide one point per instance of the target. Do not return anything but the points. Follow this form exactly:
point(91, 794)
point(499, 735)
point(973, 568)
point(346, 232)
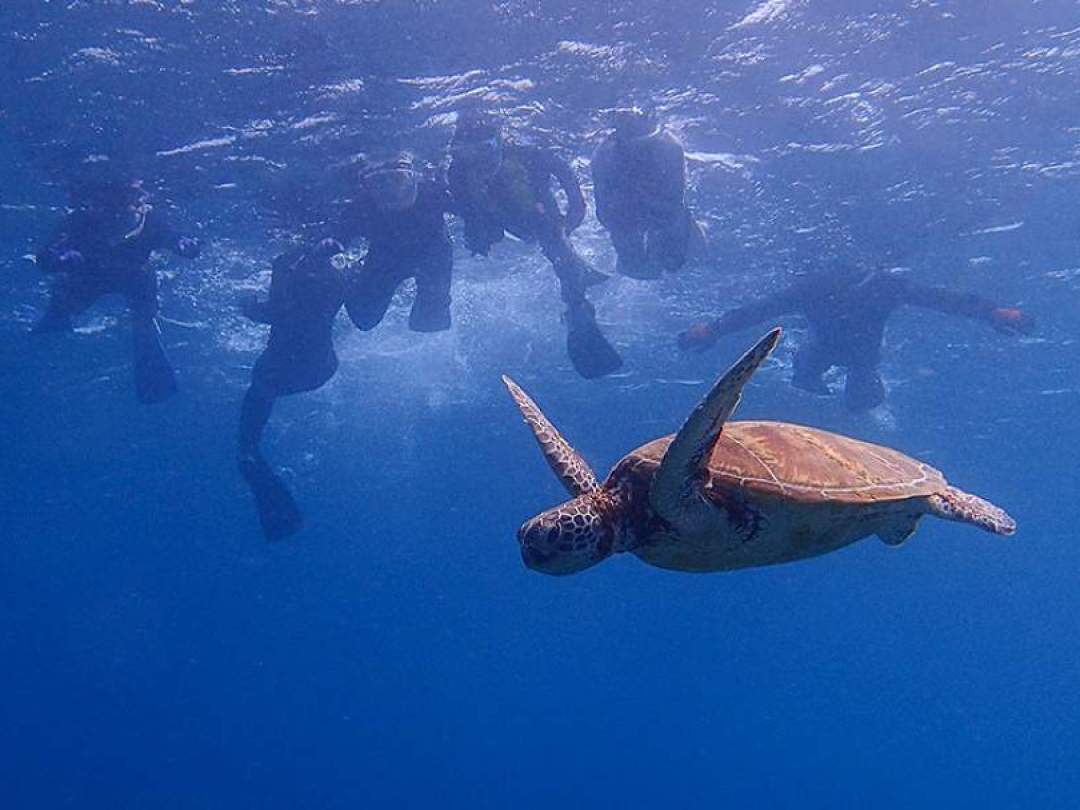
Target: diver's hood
point(633, 123)
point(478, 141)
point(394, 184)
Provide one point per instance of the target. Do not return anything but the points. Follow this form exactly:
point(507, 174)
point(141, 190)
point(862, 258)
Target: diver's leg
point(810, 365)
point(668, 246)
point(629, 244)
point(70, 295)
point(255, 412)
point(431, 309)
point(863, 389)
point(372, 291)
point(155, 380)
point(590, 352)
point(278, 512)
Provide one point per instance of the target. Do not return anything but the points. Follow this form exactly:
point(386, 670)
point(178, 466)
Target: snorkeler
point(501, 187)
point(846, 311)
point(401, 211)
point(639, 176)
point(306, 292)
point(102, 247)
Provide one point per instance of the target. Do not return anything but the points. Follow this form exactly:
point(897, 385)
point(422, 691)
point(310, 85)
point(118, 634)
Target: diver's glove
point(477, 244)
point(699, 337)
point(188, 247)
point(1012, 321)
point(59, 260)
point(480, 235)
point(328, 247)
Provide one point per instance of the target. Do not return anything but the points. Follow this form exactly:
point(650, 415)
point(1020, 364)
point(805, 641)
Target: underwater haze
point(157, 652)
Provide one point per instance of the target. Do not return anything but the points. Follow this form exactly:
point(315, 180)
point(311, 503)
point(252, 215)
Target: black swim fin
point(155, 380)
point(590, 276)
point(278, 512)
point(590, 352)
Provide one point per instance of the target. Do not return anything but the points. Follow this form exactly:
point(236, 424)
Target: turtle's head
point(571, 537)
point(581, 532)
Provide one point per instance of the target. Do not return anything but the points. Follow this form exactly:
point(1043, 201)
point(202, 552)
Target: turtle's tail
point(955, 504)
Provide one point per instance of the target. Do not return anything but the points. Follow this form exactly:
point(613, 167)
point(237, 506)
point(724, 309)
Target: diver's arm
point(966, 305)
point(669, 199)
point(268, 310)
point(58, 256)
point(601, 173)
point(354, 223)
point(436, 189)
point(260, 311)
point(256, 310)
point(163, 237)
point(701, 336)
point(466, 197)
point(771, 306)
point(575, 200)
point(461, 190)
point(187, 247)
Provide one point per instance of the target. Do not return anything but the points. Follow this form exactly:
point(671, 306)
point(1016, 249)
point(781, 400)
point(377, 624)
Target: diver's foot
point(279, 515)
point(155, 384)
point(590, 352)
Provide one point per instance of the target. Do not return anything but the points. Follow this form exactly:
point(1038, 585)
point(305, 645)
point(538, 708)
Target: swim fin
point(279, 515)
point(590, 276)
point(590, 352)
point(155, 380)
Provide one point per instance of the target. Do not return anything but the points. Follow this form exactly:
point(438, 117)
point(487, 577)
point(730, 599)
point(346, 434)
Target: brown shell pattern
point(807, 465)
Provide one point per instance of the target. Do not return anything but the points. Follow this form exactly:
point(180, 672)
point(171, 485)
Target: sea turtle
point(722, 495)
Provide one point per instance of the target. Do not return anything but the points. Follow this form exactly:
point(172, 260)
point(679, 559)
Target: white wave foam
point(198, 146)
point(769, 11)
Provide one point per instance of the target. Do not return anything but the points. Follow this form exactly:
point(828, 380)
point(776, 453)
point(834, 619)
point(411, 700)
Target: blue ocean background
point(157, 652)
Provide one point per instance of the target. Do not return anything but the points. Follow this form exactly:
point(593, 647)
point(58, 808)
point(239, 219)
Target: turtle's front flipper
point(571, 468)
point(955, 504)
point(674, 491)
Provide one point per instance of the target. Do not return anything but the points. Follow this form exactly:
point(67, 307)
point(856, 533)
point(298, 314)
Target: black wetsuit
point(640, 187)
point(96, 253)
point(846, 314)
point(306, 294)
point(413, 243)
point(519, 200)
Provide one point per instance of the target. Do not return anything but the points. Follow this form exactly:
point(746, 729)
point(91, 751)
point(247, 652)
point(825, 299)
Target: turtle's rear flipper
point(279, 515)
point(955, 504)
point(674, 494)
point(897, 532)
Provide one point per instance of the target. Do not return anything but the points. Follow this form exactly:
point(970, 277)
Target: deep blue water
point(156, 652)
